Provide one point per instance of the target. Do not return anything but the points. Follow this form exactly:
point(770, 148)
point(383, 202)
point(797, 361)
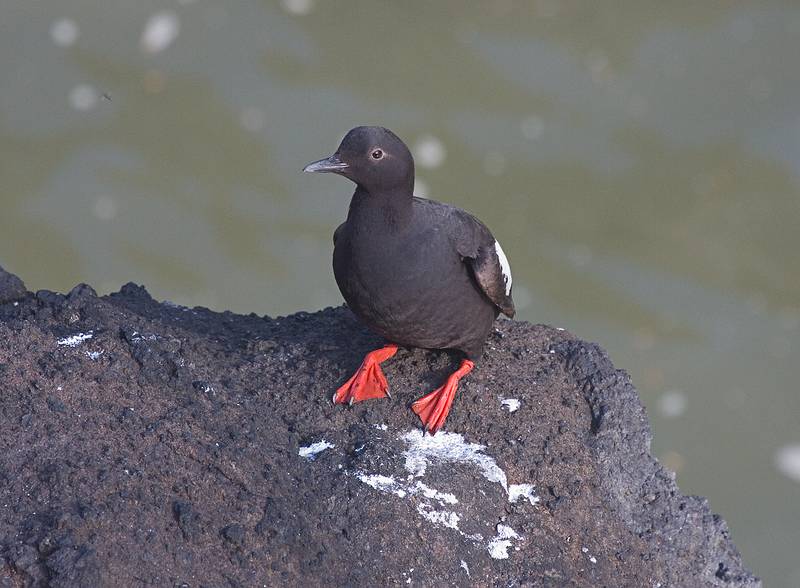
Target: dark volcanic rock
point(149, 444)
point(11, 287)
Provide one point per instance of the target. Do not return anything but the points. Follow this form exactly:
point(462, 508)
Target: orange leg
point(368, 381)
point(432, 408)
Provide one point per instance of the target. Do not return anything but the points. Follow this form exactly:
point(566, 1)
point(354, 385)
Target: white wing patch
point(501, 256)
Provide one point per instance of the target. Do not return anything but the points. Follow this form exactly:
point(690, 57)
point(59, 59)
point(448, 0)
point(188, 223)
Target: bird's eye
point(377, 154)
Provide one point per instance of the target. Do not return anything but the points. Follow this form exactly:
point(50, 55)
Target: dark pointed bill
point(330, 164)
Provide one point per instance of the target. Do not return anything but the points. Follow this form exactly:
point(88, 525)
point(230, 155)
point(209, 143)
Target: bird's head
point(372, 157)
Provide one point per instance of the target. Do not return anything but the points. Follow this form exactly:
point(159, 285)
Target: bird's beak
point(330, 164)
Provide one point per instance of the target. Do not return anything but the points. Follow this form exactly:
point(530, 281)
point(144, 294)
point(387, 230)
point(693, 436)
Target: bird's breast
point(395, 278)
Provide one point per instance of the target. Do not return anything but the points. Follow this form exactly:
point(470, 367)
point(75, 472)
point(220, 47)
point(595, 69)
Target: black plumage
point(426, 277)
point(418, 272)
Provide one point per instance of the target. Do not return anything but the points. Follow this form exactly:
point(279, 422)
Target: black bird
point(417, 272)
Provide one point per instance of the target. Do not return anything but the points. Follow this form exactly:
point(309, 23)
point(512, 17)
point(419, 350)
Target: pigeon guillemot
point(417, 272)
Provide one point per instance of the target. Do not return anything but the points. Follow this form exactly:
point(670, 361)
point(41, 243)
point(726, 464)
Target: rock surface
point(150, 444)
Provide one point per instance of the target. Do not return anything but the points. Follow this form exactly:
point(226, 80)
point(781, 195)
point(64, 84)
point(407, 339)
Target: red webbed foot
point(432, 408)
point(368, 381)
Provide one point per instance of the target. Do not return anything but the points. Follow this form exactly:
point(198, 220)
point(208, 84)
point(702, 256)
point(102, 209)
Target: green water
point(640, 164)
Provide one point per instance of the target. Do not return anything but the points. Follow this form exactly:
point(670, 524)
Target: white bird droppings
point(160, 31)
point(449, 448)
point(504, 266)
point(512, 404)
point(383, 483)
point(94, 355)
point(312, 450)
point(75, 340)
point(432, 493)
point(592, 558)
point(441, 518)
point(499, 546)
point(137, 337)
point(390, 485)
point(465, 567)
point(517, 491)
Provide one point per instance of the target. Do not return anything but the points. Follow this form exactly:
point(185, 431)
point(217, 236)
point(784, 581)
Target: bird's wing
point(481, 252)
